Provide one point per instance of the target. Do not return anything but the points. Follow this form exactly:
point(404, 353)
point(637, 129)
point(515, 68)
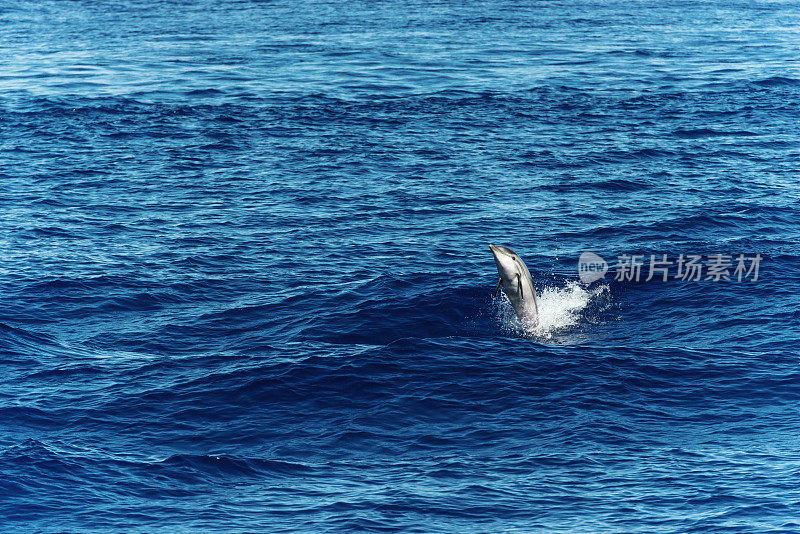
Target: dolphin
point(517, 283)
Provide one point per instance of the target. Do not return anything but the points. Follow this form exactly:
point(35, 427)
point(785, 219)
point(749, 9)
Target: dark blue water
point(246, 285)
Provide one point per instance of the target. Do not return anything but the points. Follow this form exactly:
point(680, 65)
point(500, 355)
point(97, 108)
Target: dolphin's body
point(517, 284)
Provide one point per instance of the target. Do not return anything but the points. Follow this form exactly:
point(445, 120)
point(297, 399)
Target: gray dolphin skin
point(517, 283)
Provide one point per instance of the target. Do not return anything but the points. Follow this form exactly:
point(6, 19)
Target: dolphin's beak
point(495, 252)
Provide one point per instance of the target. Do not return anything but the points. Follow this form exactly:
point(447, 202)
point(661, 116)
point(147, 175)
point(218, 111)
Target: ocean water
point(246, 285)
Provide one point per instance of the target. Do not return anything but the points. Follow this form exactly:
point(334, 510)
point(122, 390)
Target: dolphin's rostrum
point(517, 283)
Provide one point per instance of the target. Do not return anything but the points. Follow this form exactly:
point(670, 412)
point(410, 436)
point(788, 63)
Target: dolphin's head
point(516, 280)
point(509, 267)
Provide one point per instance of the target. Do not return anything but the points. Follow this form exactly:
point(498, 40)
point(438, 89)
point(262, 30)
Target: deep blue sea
point(245, 281)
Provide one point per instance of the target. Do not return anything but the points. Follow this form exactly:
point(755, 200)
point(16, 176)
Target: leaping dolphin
point(517, 283)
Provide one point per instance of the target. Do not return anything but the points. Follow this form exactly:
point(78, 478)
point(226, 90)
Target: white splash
point(559, 309)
